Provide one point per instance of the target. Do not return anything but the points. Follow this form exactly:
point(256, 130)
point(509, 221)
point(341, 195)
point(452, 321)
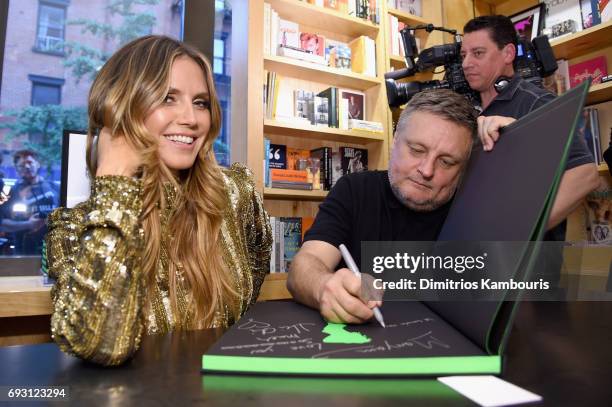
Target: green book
point(428, 338)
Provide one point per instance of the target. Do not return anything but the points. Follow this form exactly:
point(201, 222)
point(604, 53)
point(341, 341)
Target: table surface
point(561, 351)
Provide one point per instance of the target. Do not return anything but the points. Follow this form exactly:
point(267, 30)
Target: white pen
point(348, 259)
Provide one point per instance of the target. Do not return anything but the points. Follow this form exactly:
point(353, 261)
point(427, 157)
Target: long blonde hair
point(132, 82)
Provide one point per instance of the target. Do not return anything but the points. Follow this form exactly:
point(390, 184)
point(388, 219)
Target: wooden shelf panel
point(602, 168)
point(279, 193)
point(407, 18)
point(600, 92)
point(274, 287)
point(321, 133)
point(583, 42)
point(312, 72)
point(322, 18)
point(26, 296)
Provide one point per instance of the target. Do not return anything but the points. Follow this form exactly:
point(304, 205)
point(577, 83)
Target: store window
point(51, 27)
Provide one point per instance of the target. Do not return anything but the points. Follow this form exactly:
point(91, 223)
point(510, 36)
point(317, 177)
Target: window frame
point(48, 81)
point(59, 4)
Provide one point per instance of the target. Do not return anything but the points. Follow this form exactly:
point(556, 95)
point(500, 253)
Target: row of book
point(332, 107)
point(569, 16)
point(318, 169)
point(284, 38)
point(588, 127)
point(288, 235)
point(366, 9)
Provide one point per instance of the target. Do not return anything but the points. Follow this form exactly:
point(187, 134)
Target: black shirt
point(520, 98)
point(362, 207)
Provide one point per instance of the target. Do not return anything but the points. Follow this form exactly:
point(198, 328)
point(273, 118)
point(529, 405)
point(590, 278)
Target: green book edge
point(355, 367)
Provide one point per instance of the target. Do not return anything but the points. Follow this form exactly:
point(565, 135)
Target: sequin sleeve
point(257, 228)
point(93, 252)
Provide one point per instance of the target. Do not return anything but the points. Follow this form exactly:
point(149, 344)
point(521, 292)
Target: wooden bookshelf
point(281, 193)
point(599, 93)
point(602, 168)
point(321, 133)
point(407, 18)
point(583, 42)
point(323, 18)
point(312, 72)
point(274, 287)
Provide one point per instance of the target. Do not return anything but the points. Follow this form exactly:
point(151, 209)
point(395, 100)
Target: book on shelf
point(278, 156)
point(297, 158)
point(353, 159)
point(287, 237)
point(277, 264)
point(558, 83)
point(365, 125)
point(336, 172)
point(302, 186)
point(300, 54)
point(363, 55)
point(332, 105)
point(292, 236)
point(324, 154)
point(320, 109)
point(594, 68)
point(266, 161)
point(288, 175)
point(337, 54)
point(288, 34)
point(313, 43)
point(590, 13)
point(605, 10)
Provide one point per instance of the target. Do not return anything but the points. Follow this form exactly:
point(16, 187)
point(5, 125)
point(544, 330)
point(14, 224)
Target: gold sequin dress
point(94, 253)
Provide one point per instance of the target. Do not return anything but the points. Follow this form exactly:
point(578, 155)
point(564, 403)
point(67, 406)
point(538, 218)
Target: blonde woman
point(168, 239)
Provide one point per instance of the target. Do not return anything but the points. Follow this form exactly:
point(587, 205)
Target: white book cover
point(343, 114)
point(301, 55)
point(267, 14)
point(274, 32)
point(409, 6)
point(370, 57)
point(606, 11)
point(288, 34)
point(558, 11)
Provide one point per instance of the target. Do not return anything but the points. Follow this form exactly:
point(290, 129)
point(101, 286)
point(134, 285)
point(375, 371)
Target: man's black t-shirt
point(362, 207)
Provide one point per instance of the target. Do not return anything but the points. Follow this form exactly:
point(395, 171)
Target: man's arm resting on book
point(313, 282)
point(576, 184)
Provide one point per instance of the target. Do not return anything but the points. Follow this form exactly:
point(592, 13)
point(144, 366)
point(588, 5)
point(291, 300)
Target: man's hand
point(115, 155)
point(489, 127)
point(339, 299)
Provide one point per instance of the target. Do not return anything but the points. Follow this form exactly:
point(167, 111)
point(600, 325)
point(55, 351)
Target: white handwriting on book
point(268, 347)
point(425, 341)
point(264, 328)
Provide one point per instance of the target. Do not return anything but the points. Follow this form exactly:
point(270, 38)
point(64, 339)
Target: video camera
point(533, 62)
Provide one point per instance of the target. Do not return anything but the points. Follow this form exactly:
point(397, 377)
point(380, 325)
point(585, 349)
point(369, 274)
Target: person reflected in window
point(30, 201)
point(168, 239)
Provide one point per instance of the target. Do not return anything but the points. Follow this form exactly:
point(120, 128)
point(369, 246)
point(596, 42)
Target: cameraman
point(488, 51)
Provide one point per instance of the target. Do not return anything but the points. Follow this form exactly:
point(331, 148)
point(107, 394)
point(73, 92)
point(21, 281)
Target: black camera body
point(533, 62)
